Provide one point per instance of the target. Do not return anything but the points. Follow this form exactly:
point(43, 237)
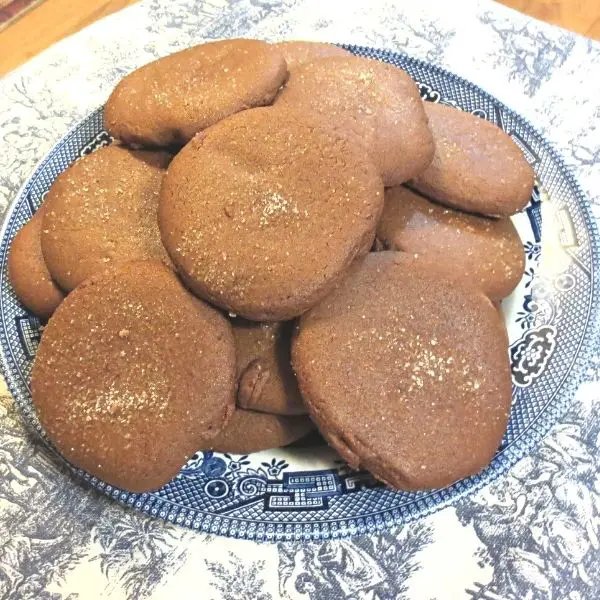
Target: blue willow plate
point(306, 492)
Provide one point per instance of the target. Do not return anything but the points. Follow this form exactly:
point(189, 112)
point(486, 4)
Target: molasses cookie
point(266, 381)
point(250, 431)
point(487, 253)
point(376, 102)
point(476, 167)
point(266, 210)
point(133, 375)
point(406, 374)
point(102, 211)
point(167, 101)
point(28, 273)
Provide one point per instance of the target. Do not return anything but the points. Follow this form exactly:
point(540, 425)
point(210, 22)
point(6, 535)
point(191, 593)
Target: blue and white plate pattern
point(306, 492)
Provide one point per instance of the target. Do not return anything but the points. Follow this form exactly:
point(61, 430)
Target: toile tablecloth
point(531, 535)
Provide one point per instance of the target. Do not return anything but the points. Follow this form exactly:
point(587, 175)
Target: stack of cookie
point(210, 284)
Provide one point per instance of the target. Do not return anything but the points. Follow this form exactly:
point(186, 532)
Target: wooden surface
point(55, 19)
point(581, 16)
point(47, 23)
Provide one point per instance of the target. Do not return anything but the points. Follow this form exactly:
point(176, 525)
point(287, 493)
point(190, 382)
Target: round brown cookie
point(487, 253)
point(297, 53)
point(169, 100)
point(133, 375)
point(102, 211)
point(476, 167)
point(250, 431)
point(28, 273)
point(266, 381)
point(272, 226)
point(406, 374)
point(376, 102)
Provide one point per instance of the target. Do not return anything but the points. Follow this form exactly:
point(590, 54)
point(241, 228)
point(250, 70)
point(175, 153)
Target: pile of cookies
point(281, 236)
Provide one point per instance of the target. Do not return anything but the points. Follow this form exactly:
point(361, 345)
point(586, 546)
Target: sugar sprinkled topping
point(123, 405)
point(273, 205)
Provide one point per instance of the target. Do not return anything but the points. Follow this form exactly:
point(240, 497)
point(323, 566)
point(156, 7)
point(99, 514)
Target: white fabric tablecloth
point(60, 540)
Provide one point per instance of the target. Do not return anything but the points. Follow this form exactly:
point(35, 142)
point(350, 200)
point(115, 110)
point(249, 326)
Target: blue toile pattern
point(530, 534)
